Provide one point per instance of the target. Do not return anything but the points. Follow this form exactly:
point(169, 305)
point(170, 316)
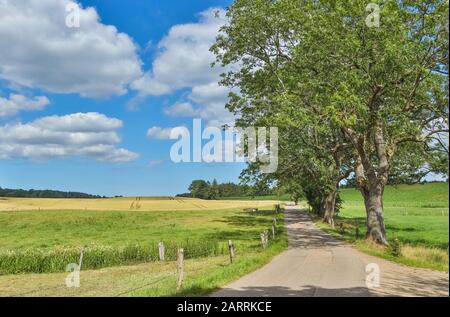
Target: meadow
point(122, 234)
point(416, 219)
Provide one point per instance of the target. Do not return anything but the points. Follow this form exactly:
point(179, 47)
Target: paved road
point(316, 264)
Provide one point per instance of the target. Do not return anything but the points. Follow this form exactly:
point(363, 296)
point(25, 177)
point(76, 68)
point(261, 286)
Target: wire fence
point(173, 273)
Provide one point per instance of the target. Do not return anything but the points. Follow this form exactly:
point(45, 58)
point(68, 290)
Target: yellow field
point(126, 203)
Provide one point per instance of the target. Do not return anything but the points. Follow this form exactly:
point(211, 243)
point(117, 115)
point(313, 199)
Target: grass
point(202, 276)
point(94, 257)
point(416, 215)
point(45, 241)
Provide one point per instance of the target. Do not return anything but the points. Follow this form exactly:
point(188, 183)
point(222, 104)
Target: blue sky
point(78, 104)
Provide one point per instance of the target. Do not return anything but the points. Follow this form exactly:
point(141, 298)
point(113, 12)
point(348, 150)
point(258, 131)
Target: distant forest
point(213, 190)
point(5, 192)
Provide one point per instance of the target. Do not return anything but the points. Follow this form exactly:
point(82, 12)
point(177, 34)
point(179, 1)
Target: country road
point(316, 264)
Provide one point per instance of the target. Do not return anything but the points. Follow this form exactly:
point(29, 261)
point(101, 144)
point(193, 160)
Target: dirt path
point(316, 264)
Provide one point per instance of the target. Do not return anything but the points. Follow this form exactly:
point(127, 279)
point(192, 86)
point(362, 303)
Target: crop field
point(415, 215)
point(125, 204)
point(39, 237)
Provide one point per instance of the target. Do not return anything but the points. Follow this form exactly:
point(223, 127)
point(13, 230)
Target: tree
point(199, 189)
point(214, 190)
point(369, 91)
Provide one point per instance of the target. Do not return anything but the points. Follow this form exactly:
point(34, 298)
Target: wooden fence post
point(357, 233)
point(266, 237)
point(277, 208)
point(263, 240)
point(275, 222)
point(180, 269)
point(273, 232)
point(161, 251)
point(81, 259)
point(341, 228)
point(231, 249)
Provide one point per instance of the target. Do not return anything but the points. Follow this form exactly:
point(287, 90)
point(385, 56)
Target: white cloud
point(159, 133)
point(79, 122)
point(80, 134)
point(181, 109)
point(184, 62)
point(38, 50)
point(17, 103)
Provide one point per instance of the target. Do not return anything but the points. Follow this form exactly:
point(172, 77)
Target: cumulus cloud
point(184, 62)
point(81, 134)
point(181, 109)
point(17, 103)
point(38, 50)
point(159, 133)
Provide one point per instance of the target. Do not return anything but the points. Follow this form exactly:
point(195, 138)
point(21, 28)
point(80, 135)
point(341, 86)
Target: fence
point(164, 255)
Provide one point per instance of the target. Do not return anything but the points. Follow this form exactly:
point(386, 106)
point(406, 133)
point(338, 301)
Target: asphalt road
point(316, 264)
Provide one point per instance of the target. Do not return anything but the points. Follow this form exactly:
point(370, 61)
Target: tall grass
point(97, 256)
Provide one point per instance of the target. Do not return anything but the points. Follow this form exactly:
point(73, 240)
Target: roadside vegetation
point(116, 241)
point(417, 224)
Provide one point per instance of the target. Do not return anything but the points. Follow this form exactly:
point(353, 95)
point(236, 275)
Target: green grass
point(202, 276)
point(416, 215)
point(47, 241)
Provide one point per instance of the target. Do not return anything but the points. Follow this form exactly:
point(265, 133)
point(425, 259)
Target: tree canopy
point(348, 97)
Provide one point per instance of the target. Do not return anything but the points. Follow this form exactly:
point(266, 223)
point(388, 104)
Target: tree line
point(350, 99)
point(32, 193)
point(213, 190)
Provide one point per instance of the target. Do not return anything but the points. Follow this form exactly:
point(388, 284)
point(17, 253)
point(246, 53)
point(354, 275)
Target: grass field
point(416, 215)
point(43, 236)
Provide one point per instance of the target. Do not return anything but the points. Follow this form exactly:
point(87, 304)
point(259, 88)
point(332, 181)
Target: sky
point(87, 104)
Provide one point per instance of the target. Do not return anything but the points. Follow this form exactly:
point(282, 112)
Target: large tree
point(371, 90)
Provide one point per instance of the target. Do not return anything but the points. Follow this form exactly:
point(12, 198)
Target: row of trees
point(213, 190)
point(5, 192)
point(350, 99)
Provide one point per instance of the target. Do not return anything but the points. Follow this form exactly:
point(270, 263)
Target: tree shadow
point(224, 235)
point(282, 291)
point(303, 233)
point(246, 221)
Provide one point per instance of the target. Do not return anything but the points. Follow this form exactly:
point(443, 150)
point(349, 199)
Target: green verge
point(209, 275)
point(416, 219)
point(203, 275)
point(46, 241)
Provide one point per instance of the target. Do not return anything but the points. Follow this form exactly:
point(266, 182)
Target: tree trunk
point(373, 200)
point(328, 207)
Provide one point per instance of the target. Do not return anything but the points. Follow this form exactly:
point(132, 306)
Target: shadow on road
point(308, 236)
point(306, 291)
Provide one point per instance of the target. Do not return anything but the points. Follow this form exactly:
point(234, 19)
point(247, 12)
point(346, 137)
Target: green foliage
point(395, 247)
point(343, 94)
point(206, 190)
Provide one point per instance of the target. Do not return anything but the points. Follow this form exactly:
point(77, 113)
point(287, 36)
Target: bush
point(395, 248)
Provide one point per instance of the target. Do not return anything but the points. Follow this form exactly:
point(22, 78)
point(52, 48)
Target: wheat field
point(126, 203)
